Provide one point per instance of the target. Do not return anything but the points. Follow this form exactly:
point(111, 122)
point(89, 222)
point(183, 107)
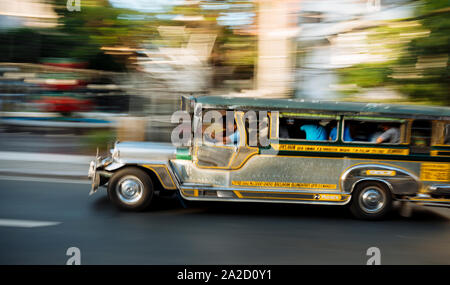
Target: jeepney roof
point(335, 107)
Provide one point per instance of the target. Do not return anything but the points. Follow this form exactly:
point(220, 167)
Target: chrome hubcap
point(129, 189)
point(372, 199)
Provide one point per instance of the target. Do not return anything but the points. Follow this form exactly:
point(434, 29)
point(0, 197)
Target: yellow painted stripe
point(321, 197)
point(341, 149)
point(444, 153)
point(238, 194)
point(188, 194)
point(429, 200)
point(284, 184)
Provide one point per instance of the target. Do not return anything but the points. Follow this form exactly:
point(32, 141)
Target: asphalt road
point(213, 233)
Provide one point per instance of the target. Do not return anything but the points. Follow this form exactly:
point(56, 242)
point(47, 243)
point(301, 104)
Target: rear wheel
point(131, 189)
point(371, 201)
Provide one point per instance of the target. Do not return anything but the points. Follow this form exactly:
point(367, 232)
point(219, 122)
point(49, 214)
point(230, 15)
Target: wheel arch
point(398, 180)
point(158, 173)
point(388, 185)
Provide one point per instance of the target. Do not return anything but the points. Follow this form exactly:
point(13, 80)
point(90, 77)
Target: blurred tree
point(81, 34)
point(98, 24)
point(418, 65)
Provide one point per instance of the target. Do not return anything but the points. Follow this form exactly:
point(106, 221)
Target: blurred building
point(27, 13)
point(277, 29)
point(333, 35)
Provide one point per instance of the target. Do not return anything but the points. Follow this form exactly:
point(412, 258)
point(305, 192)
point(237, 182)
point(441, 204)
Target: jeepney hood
point(143, 152)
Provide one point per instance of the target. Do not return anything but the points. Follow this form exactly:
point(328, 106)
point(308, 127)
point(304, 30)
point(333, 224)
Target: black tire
point(365, 205)
point(137, 181)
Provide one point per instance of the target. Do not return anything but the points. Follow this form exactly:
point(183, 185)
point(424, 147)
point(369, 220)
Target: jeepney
point(346, 166)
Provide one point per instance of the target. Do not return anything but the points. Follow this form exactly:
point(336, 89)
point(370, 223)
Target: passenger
point(314, 132)
point(373, 138)
point(233, 138)
point(284, 128)
point(390, 134)
point(211, 132)
point(347, 134)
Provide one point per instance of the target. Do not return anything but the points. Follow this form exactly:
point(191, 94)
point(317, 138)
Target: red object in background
point(65, 104)
point(63, 85)
point(67, 64)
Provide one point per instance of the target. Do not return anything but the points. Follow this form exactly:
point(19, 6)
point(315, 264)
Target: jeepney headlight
point(92, 169)
point(106, 161)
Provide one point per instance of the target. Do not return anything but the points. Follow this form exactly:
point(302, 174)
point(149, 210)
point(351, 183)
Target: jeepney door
point(215, 155)
point(209, 153)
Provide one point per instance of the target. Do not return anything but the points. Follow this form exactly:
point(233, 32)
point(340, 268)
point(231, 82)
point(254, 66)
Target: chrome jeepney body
point(152, 156)
point(292, 170)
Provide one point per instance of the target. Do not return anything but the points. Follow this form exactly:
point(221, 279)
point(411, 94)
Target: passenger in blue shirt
point(314, 132)
point(347, 135)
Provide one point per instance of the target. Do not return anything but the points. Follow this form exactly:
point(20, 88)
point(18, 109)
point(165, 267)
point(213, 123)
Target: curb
point(45, 157)
point(44, 165)
point(44, 176)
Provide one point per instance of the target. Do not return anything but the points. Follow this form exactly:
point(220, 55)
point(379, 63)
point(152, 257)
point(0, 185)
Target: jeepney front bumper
point(96, 172)
point(94, 176)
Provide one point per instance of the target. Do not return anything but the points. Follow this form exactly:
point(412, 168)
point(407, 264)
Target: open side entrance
point(215, 150)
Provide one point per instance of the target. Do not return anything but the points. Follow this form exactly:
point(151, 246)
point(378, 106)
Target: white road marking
point(26, 223)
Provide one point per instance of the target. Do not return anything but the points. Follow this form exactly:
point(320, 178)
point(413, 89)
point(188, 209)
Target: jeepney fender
point(399, 181)
point(161, 170)
point(114, 166)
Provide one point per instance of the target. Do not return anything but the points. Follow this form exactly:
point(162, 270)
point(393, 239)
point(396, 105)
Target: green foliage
point(101, 139)
point(421, 66)
point(366, 75)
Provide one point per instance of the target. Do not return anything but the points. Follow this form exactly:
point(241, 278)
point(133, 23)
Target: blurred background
point(75, 75)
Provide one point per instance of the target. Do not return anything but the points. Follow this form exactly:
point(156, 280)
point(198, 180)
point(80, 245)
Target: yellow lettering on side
point(435, 172)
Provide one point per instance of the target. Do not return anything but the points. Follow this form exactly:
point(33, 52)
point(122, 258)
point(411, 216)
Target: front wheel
point(371, 201)
point(131, 189)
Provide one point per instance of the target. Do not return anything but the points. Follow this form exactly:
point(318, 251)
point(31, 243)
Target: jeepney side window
point(311, 129)
point(219, 127)
point(360, 130)
point(213, 126)
point(421, 133)
point(441, 133)
point(447, 134)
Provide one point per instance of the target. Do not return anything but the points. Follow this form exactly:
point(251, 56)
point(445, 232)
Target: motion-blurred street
point(213, 233)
